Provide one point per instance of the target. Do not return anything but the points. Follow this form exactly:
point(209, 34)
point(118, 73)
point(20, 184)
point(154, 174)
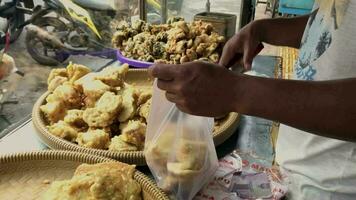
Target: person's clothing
point(319, 167)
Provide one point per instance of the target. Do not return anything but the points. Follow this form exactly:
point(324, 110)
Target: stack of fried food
point(101, 181)
point(97, 109)
point(174, 43)
point(178, 169)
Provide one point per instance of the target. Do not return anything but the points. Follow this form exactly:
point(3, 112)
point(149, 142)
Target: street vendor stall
point(92, 110)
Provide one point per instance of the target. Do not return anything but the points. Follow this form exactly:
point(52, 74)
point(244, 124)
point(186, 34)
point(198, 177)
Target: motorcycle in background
point(12, 14)
point(62, 28)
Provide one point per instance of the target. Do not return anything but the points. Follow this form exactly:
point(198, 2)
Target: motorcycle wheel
point(42, 53)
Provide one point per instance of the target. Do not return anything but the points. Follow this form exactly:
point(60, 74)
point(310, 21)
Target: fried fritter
point(129, 96)
point(75, 118)
point(118, 144)
point(63, 130)
point(110, 103)
point(97, 118)
point(144, 110)
point(57, 72)
point(55, 82)
point(67, 94)
point(110, 180)
point(76, 71)
point(113, 76)
point(134, 133)
point(54, 111)
point(97, 139)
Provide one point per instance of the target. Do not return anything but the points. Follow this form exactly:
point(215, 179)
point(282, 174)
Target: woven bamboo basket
point(24, 175)
point(138, 78)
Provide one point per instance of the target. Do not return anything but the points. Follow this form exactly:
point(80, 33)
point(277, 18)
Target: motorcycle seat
point(105, 5)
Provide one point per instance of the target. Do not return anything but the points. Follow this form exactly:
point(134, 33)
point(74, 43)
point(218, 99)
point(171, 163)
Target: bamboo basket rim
point(131, 157)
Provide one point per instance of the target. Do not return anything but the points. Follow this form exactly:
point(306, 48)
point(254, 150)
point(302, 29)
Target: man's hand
point(198, 88)
point(247, 43)
point(242, 48)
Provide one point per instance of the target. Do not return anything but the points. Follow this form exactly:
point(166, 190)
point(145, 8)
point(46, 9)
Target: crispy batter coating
point(54, 111)
point(143, 96)
point(57, 72)
point(110, 180)
point(94, 138)
point(76, 71)
point(144, 110)
point(68, 94)
point(55, 82)
point(75, 118)
point(63, 130)
point(134, 133)
point(118, 144)
point(129, 96)
point(113, 76)
point(169, 43)
point(97, 118)
point(110, 103)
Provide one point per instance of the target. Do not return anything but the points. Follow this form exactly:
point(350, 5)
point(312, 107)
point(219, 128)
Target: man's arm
point(326, 108)
point(281, 31)
point(242, 47)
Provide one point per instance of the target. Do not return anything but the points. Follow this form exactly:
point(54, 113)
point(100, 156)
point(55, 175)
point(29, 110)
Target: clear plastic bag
point(179, 148)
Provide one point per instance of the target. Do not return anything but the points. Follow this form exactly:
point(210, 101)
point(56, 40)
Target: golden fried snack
point(118, 144)
point(102, 181)
point(95, 88)
point(144, 110)
point(57, 72)
point(55, 82)
point(78, 84)
point(110, 103)
point(134, 133)
point(63, 130)
point(169, 43)
point(68, 94)
point(97, 118)
point(129, 96)
point(113, 76)
point(157, 153)
point(76, 71)
point(143, 96)
point(54, 111)
point(97, 139)
point(75, 118)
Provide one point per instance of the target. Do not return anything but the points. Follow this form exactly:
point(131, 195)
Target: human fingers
point(163, 71)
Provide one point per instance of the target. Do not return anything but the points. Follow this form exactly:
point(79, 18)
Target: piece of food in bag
point(134, 133)
point(54, 111)
point(158, 150)
point(118, 144)
point(129, 97)
point(76, 71)
point(113, 76)
point(94, 138)
point(111, 180)
point(98, 118)
point(110, 103)
point(63, 130)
